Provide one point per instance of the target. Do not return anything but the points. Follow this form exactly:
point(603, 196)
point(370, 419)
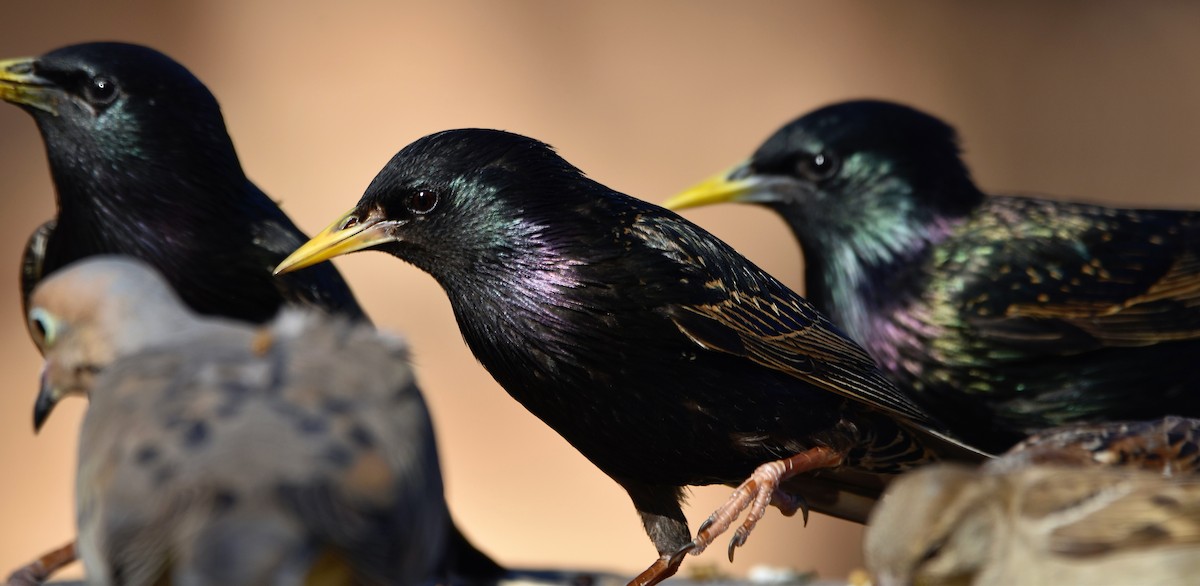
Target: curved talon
point(739, 539)
point(705, 525)
point(686, 549)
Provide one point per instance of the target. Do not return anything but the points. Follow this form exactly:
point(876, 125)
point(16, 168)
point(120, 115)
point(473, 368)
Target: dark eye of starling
point(817, 166)
point(422, 201)
point(100, 91)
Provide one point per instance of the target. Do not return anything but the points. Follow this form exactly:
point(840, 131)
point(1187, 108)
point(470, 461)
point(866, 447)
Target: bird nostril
point(350, 222)
point(22, 68)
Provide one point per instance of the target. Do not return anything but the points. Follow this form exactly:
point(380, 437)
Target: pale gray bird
point(948, 524)
point(214, 452)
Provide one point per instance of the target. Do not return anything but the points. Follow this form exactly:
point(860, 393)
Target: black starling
point(1003, 315)
point(143, 166)
point(651, 346)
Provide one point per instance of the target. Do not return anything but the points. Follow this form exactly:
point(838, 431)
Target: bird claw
point(739, 539)
point(788, 504)
point(757, 493)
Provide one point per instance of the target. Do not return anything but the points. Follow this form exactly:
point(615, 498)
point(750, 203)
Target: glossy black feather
point(154, 175)
point(1005, 314)
point(656, 350)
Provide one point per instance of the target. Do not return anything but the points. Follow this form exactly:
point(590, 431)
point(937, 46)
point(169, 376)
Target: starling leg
point(41, 569)
point(665, 524)
point(760, 490)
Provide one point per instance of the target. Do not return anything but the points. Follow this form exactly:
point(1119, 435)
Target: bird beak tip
point(721, 188)
point(46, 401)
point(336, 240)
point(20, 85)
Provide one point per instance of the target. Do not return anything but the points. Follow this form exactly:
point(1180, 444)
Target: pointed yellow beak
point(349, 233)
point(724, 187)
point(20, 85)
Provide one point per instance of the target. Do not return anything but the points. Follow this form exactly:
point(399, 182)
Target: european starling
point(219, 452)
point(143, 166)
point(1003, 315)
point(1169, 446)
point(950, 525)
point(651, 346)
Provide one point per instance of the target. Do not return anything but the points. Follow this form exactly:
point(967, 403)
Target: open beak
point(48, 396)
point(20, 85)
point(349, 233)
point(734, 185)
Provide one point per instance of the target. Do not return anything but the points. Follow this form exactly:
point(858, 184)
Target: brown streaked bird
point(217, 452)
point(951, 525)
point(1170, 446)
point(1003, 315)
point(656, 350)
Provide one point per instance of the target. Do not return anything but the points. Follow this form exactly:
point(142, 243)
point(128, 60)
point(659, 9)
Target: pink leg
point(760, 490)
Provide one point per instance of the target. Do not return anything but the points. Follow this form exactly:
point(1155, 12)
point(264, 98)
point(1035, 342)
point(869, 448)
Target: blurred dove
point(949, 524)
point(215, 452)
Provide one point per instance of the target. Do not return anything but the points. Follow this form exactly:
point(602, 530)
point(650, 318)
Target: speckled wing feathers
point(1081, 279)
point(754, 316)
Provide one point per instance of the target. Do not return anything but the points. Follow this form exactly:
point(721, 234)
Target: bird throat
point(870, 284)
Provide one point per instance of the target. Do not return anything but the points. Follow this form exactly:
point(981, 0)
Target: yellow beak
point(20, 85)
point(716, 189)
point(349, 233)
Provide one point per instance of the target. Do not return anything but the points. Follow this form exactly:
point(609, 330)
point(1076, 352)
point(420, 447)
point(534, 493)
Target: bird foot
point(759, 491)
point(662, 568)
point(41, 569)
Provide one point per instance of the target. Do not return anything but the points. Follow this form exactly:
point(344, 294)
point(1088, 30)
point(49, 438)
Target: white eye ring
point(43, 326)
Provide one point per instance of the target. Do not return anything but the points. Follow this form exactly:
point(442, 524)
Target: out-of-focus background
point(1089, 100)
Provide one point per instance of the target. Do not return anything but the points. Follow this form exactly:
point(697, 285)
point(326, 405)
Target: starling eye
point(42, 327)
point(100, 91)
point(817, 167)
point(422, 201)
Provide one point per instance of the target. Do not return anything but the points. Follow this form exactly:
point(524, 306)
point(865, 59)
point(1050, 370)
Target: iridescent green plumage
point(1004, 314)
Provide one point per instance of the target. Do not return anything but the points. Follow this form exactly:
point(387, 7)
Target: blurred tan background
point(1091, 100)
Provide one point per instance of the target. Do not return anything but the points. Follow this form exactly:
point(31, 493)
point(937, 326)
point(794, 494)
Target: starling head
point(113, 114)
point(870, 172)
point(452, 202)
